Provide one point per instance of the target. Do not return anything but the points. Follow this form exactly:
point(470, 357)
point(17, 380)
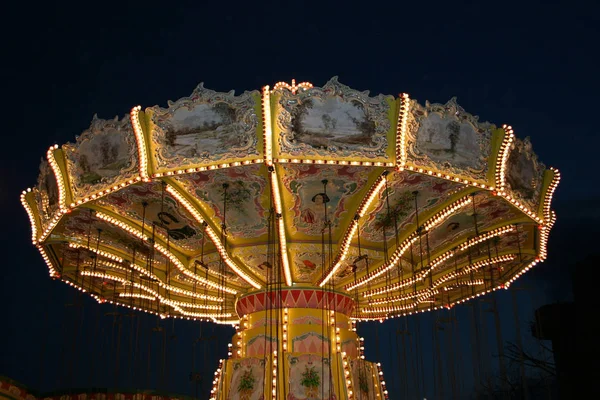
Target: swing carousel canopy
point(194, 209)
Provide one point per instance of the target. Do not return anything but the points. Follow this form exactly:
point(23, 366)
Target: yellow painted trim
point(393, 115)
point(497, 138)
point(546, 181)
point(144, 120)
point(30, 199)
point(59, 157)
point(257, 97)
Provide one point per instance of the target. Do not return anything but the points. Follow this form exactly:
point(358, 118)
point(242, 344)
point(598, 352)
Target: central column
point(297, 343)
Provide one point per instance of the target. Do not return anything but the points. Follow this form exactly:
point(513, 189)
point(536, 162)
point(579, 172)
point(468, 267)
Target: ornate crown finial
point(293, 87)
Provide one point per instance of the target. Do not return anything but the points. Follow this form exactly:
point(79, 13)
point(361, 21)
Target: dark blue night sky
point(530, 65)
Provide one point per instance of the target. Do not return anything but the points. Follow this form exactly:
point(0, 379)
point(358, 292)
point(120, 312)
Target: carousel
point(292, 214)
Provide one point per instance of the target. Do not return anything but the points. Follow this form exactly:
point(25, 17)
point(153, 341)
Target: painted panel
point(81, 223)
point(171, 220)
point(333, 122)
point(363, 379)
point(255, 259)
point(490, 211)
point(247, 198)
point(444, 137)
point(350, 348)
point(46, 193)
point(260, 346)
point(306, 261)
point(309, 378)
point(104, 155)
point(432, 192)
point(162, 209)
point(524, 173)
point(310, 202)
point(310, 342)
point(204, 128)
point(247, 379)
point(261, 322)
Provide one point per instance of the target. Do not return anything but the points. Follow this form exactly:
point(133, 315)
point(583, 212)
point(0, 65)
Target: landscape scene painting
point(332, 122)
point(47, 190)
point(521, 173)
point(449, 140)
point(204, 130)
point(105, 155)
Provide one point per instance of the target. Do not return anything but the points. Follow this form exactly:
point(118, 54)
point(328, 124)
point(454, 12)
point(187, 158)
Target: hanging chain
point(224, 242)
point(475, 225)
point(419, 231)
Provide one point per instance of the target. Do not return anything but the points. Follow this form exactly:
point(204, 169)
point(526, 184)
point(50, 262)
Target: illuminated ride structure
point(292, 214)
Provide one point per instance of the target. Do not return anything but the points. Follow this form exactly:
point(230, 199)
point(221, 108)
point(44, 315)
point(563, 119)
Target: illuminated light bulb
point(58, 176)
point(141, 144)
point(166, 253)
point(381, 270)
point(267, 133)
point(30, 215)
point(486, 236)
